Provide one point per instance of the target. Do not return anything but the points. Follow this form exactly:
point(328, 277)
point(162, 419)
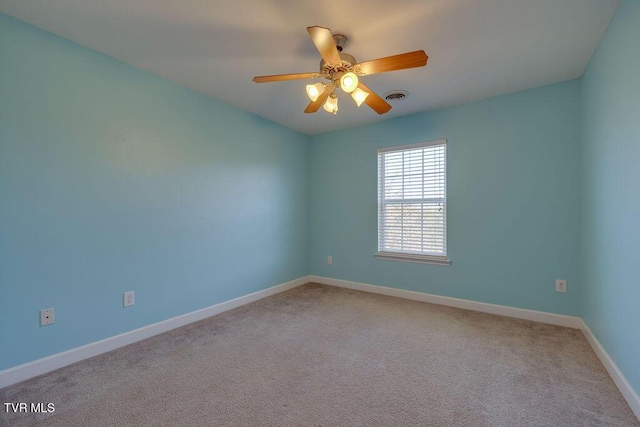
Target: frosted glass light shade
point(359, 96)
point(348, 82)
point(314, 91)
point(331, 106)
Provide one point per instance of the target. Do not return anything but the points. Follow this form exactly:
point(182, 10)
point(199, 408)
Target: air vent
point(396, 95)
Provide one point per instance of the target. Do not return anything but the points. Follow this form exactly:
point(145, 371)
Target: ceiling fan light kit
point(343, 72)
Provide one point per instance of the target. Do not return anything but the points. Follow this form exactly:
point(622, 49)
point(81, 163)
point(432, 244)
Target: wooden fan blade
point(323, 39)
point(392, 63)
point(315, 105)
point(376, 103)
point(283, 77)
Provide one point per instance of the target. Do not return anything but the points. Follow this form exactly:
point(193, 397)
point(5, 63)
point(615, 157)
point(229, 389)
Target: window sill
point(424, 259)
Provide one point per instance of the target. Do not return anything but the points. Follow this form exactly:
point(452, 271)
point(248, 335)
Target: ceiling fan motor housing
point(333, 71)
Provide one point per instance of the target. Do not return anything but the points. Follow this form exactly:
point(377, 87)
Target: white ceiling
point(476, 48)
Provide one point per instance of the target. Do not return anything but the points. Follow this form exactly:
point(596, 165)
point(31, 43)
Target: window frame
point(411, 256)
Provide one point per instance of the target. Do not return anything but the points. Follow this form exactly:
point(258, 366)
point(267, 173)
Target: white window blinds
point(412, 201)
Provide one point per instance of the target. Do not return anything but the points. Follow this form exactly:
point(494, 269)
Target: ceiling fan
point(342, 70)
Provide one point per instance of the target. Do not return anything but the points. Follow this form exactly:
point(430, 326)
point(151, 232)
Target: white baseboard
point(619, 379)
point(59, 360)
point(502, 310)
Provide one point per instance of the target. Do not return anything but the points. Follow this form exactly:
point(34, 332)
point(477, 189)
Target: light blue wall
point(611, 188)
point(513, 194)
point(112, 179)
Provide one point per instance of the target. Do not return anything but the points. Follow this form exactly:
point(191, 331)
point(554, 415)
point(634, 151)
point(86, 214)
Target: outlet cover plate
point(47, 316)
point(561, 286)
point(129, 299)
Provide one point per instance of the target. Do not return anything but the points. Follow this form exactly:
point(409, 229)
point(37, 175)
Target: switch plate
point(129, 299)
point(329, 260)
point(561, 285)
point(47, 316)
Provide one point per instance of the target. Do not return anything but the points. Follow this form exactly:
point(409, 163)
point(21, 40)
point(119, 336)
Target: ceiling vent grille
point(396, 95)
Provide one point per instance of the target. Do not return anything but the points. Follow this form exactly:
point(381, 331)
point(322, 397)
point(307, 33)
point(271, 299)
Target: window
point(412, 203)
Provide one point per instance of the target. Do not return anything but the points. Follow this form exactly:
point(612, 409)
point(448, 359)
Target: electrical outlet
point(561, 285)
point(329, 260)
point(129, 299)
point(46, 316)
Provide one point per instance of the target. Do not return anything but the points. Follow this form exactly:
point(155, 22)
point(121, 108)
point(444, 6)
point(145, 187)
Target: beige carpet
point(318, 355)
